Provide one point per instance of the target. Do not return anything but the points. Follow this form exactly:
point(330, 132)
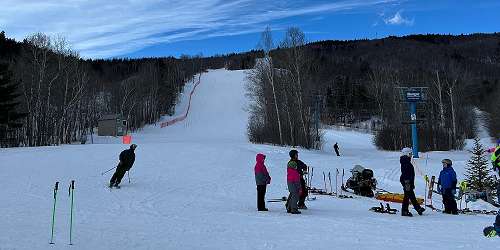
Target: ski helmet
point(133, 146)
point(406, 151)
point(293, 153)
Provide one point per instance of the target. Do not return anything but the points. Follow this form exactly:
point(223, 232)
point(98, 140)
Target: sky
point(157, 28)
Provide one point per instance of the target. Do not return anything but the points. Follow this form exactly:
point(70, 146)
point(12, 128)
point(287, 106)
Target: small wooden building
point(111, 125)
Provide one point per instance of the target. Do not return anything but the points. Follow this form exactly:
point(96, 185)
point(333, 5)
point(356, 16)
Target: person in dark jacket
point(293, 183)
point(336, 148)
point(407, 180)
point(302, 168)
point(262, 179)
point(447, 184)
point(127, 158)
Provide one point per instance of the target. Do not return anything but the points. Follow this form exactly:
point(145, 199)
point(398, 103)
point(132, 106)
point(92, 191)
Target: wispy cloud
point(115, 27)
point(398, 19)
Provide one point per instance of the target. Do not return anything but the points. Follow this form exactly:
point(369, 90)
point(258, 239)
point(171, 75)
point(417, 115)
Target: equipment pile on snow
point(362, 181)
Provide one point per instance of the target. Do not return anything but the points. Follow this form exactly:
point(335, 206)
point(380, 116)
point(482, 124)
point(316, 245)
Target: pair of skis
point(71, 192)
point(384, 209)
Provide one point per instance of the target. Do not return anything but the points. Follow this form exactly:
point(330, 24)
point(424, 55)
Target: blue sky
point(154, 28)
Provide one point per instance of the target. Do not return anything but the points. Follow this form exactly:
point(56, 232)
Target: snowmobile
point(362, 181)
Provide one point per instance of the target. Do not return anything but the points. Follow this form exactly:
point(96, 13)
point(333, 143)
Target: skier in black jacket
point(407, 179)
point(127, 158)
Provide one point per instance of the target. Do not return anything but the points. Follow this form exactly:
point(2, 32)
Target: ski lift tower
point(413, 96)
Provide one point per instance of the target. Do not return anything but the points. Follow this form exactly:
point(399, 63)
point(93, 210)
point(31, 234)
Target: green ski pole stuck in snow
point(54, 212)
point(71, 193)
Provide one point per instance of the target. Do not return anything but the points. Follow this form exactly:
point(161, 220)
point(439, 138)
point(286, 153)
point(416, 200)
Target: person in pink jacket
point(293, 182)
point(262, 179)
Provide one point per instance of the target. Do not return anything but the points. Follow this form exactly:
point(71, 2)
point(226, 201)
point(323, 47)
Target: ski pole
point(56, 187)
point(330, 180)
point(426, 178)
point(107, 170)
point(312, 174)
point(71, 191)
point(324, 181)
point(341, 191)
point(128, 174)
point(336, 180)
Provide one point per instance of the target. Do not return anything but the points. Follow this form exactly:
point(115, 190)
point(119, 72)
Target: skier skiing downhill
point(127, 158)
point(407, 180)
point(293, 182)
point(336, 148)
point(447, 183)
point(262, 179)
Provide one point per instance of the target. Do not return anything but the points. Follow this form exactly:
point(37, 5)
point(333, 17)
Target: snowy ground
point(193, 188)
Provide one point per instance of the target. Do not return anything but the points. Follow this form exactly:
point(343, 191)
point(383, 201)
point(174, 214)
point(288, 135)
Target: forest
point(358, 84)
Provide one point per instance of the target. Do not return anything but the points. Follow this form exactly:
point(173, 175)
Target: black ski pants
point(449, 202)
point(337, 152)
point(409, 196)
point(302, 198)
point(261, 195)
point(118, 175)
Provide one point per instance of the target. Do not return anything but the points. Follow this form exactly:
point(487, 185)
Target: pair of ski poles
point(71, 191)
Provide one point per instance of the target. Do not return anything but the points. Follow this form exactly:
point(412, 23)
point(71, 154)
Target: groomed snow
point(192, 187)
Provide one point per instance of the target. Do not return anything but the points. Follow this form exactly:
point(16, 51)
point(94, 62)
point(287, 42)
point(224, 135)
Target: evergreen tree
point(478, 172)
point(9, 116)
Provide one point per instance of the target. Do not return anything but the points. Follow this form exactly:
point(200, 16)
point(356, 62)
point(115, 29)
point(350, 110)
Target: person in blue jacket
point(447, 184)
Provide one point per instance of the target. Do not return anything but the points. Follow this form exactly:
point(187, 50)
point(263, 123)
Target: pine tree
point(9, 116)
point(478, 172)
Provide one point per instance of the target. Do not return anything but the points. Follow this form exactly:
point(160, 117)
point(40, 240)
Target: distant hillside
point(64, 95)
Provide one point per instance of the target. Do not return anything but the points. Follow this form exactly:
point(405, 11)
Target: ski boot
point(490, 231)
point(262, 209)
point(295, 212)
point(406, 213)
point(420, 210)
point(304, 207)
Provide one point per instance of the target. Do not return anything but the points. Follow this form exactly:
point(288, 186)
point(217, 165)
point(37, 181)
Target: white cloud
point(398, 19)
point(115, 27)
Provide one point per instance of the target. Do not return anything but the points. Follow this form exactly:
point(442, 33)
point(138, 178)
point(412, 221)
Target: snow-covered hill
point(192, 187)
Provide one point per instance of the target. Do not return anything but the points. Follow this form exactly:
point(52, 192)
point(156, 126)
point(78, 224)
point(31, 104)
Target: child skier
point(293, 182)
point(262, 179)
point(447, 184)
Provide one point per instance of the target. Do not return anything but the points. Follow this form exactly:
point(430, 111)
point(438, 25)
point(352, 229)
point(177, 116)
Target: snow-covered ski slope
point(192, 187)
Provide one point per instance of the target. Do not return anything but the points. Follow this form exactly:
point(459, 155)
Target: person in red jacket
point(262, 179)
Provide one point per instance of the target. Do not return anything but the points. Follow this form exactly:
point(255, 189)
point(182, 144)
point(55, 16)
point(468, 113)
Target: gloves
point(407, 186)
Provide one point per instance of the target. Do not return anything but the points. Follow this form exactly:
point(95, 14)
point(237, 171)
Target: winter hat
point(133, 146)
point(447, 162)
point(406, 151)
point(293, 153)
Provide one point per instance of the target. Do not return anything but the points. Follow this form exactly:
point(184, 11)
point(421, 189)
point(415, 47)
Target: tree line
point(359, 83)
